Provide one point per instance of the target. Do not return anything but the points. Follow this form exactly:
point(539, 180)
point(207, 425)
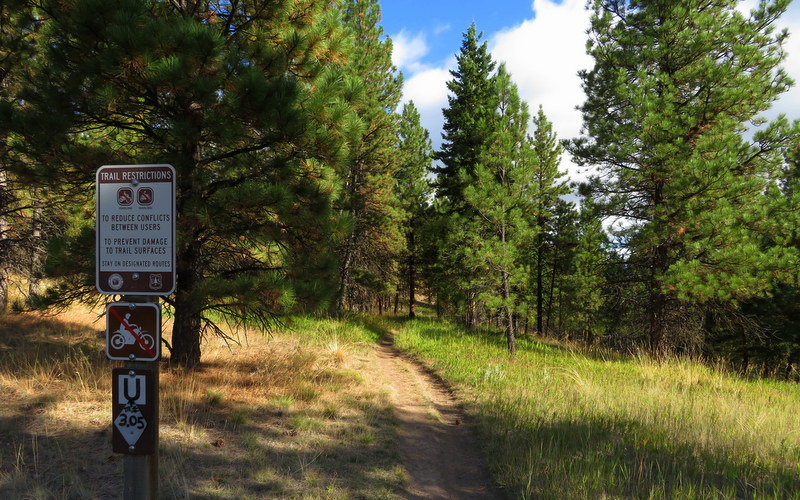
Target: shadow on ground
point(325, 438)
point(536, 454)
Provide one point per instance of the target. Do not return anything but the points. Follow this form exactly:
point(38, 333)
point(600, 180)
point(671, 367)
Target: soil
point(437, 440)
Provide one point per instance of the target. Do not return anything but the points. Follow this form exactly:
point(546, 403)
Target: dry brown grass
point(287, 417)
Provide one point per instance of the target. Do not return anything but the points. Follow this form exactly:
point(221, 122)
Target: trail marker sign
point(135, 229)
point(133, 409)
point(133, 331)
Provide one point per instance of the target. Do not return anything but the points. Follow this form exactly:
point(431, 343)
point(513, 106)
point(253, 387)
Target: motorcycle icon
point(122, 336)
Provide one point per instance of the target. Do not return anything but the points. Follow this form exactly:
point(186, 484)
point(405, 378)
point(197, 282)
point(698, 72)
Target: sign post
point(135, 250)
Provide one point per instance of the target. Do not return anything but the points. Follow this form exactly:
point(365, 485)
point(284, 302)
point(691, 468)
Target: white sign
point(132, 390)
point(131, 424)
point(135, 229)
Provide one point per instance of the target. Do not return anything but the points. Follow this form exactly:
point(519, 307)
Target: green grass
point(293, 416)
point(558, 423)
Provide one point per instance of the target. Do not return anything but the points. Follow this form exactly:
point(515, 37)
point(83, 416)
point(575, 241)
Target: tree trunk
point(746, 354)
point(186, 328)
point(551, 294)
point(5, 251)
point(657, 327)
point(411, 300)
point(539, 273)
point(561, 332)
point(471, 313)
point(659, 303)
point(36, 248)
point(352, 183)
point(188, 266)
point(4, 273)
point(509, 316)
point(508, 312)
point(344, 273)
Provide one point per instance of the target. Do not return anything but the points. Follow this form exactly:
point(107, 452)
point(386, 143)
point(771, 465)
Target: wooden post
point(141, 471)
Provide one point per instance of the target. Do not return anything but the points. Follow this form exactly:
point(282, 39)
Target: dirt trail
point(437, 444)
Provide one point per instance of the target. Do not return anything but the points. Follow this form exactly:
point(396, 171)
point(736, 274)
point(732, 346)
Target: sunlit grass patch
point(280, 405)
point(561, 422)
point(270, 417)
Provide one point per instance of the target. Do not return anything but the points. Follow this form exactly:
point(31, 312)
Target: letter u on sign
point(132, 390)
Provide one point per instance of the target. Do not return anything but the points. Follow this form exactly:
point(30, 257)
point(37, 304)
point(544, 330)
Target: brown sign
point(135, 229)
point(133, 331)
point(133, 408)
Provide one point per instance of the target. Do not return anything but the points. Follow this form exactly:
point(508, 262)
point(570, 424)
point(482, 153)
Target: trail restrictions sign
point(135, 229)
point(133, 331)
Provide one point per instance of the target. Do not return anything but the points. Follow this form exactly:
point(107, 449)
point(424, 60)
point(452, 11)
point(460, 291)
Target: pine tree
point(415, 153)
point(672, 90)
point(548, 189)
point(468, 118)
point(587, 277)
point(498, 200)
point(368, 255)
point(18, 30)
point(468, 130)
point(241, 99)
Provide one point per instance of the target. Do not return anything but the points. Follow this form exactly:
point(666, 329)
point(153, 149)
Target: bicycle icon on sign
point(122, 336)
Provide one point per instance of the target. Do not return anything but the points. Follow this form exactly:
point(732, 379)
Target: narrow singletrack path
point(437, 444)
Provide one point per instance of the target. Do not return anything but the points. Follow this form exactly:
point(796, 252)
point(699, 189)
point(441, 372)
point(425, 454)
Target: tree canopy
point(305, 183)
point(672, 92)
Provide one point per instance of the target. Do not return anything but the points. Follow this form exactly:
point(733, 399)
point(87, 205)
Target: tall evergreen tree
point(672, 90)
point(498, 198)
point(548, 189)
point(18, 29)
point(368, 255)
point(468, 130)
point(587, 276)
point(468, 118)
point(415, 153)
point(241, 98)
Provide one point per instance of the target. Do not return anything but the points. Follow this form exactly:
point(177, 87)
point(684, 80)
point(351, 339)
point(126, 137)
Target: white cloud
point(746, 6)
point(789, 103)
point(428, 90)
point(424, 84)
point(441, 29)
point(544, 55)
point(407, 50)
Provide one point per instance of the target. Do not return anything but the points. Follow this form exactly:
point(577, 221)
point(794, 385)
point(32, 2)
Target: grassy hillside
point(560, 423)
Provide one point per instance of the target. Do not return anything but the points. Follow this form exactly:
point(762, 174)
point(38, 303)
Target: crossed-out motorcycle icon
point(122, 336)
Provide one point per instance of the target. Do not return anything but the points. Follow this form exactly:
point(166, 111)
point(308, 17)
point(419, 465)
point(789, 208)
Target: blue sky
point(542, 43)
point(442, 22)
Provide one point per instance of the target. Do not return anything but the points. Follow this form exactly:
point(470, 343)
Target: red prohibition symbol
point(133, 331)
point(125, 197)
point(145, 196)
